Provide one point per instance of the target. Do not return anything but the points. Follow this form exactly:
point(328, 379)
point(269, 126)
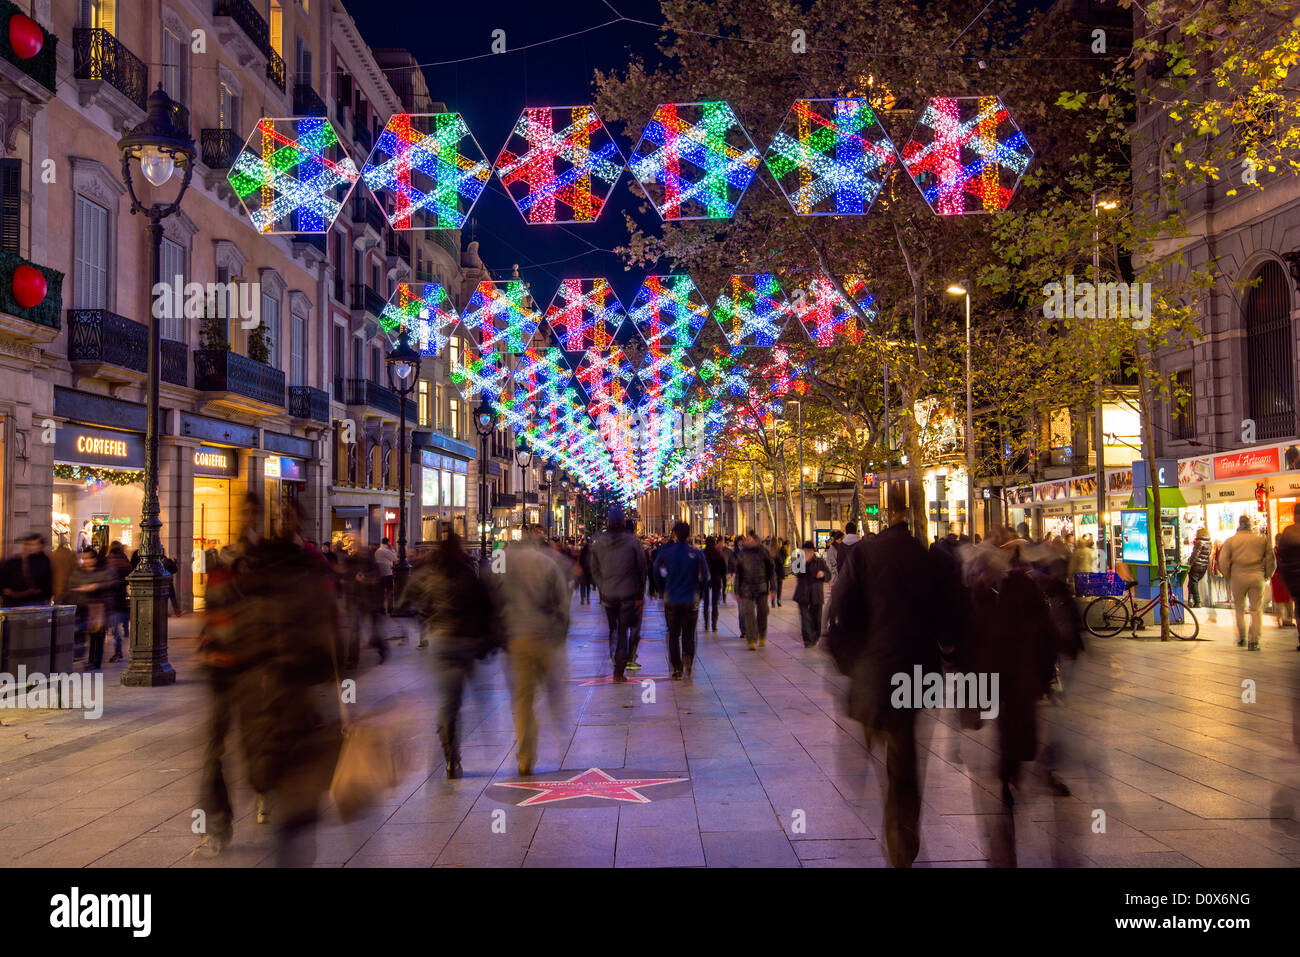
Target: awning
point(1169, 498)
point(351, 511)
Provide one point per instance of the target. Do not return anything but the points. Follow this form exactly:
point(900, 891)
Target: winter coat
point(533, 595)
point(1246, 555)
point(808, 589)
point(457, 603)
point(1198, 562)
point(753, 573)
point(1288, 558)
point(681, 570)
point(618, 566)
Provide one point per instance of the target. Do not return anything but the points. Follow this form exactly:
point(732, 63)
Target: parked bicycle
point(1107, 616)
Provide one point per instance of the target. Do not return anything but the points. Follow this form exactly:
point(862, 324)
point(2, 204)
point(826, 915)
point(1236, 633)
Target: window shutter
point(11, 205)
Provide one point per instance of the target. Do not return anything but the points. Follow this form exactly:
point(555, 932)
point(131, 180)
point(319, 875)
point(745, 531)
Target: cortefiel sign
point(214, 460)
point(84, 445)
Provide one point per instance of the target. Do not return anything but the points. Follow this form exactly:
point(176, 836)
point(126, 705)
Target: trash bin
point(26, 639)
point(63, 643)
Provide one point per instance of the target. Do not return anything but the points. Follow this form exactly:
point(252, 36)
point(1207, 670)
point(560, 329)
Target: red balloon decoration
point(25, 36)
point(29, 286)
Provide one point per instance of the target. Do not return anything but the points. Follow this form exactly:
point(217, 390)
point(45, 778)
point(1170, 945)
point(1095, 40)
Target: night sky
point(492, 91)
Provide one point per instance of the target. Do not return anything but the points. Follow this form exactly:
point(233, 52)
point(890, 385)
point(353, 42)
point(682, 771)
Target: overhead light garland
point(293, 175)
point(559, 165)
point(430, 166)
point(831, 157)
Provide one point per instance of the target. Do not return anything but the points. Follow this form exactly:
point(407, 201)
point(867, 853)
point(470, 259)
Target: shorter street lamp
point(403, 372)
point(484, 423)
point(963, 289)
point(548, 476)
point(523, 456)
point(564, 490)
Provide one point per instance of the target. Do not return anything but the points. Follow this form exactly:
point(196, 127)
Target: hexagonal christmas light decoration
point(669, 311)
point(431, 166)
point(559, 164)
point(426, 309)
point(480, 373)
point(293, 175)
point(694, 160)
point(585, 314)
point(752, 310)
point(605, 377)
point(831, 157)
point(825, 314)
point(501, 316)
point(966, 155)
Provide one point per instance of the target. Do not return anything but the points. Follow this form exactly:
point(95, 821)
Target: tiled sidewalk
point(1154, 735)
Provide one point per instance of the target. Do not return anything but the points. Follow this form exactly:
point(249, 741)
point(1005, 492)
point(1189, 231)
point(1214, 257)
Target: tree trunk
point(1148, 442)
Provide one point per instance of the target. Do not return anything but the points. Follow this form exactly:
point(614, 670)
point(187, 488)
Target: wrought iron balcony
point(97, 55)
point(219, 148)
point(364, 297)
point(307, 102)
point(216, 370)
point(41, 67)
point(398, 247)
point(275, 69)
point(243, 13)
point(308, 403)
point(372, 394)
point(44, 313)
point(99, 339)
point(368, 214)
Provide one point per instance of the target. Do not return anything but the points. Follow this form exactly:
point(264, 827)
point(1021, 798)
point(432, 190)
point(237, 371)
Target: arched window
point(1267, 319)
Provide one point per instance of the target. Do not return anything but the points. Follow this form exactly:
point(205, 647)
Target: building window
point(1183, 418)
point(99, 14)
point(297, 350)
point(174, 73)
point(339, 367)
point(1271, 374)
point(276, 23)
point(453, 352)
point(172, 272)
point(271, 325)
point(92, 255)
point(227, 107)
point(11, 205)
point(374, 364)
point(358, 358)
point(453, 418)
point(422, 403)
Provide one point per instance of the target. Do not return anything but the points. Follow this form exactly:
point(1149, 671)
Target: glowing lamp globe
point(26, 38)
point(156, 166)
point(28, 286)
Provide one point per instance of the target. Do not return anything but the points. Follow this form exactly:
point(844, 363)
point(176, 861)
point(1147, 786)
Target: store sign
point(1250, 462)
point(81, 445)
point(1194, 471)
point(282, 467)
point(390, 515)
point(1166, 473)
point(271, 466)
point(211, 460)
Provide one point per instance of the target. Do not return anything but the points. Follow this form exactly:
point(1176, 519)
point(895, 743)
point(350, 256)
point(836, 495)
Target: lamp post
point(484, 423)
point(403, 372)
point(1099, 443)
point(564, 490)
point(523, 456)
point(157, 146)
point(548, 476)
point(963, 289)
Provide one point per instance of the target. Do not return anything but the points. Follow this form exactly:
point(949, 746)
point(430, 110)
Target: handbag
point(371, 760)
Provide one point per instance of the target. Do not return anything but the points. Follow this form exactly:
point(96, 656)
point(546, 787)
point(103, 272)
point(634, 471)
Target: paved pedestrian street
point(750, 763)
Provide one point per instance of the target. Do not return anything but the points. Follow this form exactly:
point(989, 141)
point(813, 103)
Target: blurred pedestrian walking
point(618, 567)
point(1246, 561)
point(681, 569)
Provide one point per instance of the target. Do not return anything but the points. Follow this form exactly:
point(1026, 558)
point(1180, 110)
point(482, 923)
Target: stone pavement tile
point(840, 822)
point(1150, 814)
point(149, 850)
point(748, 849)
point(841, 853)
point(1143, 859)
point(736, 816)
point(393, 860)
point(1219, 847)
point(942, 841)
point(672, 812)
point(407, 840)
point(87, 843)
point(493, 854)
point(658, 847)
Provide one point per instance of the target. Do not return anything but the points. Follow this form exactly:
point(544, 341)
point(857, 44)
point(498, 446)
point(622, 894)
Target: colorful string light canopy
point(559, 164)
point(752, 310)
point(585, 314)
point(694, 160)
point(966, 149)
point(669, 311)
point(826, 315)
point(501, 316)
point(431, 168)
point(293, 175)
point(831, 157)
point(426, 310)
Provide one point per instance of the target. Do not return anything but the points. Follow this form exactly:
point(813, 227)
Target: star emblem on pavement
point(592, 783)
point(632, 677)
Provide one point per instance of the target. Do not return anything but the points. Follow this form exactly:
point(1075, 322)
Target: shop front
point(216, 510)
point(1069, 507)
point(98, 487)
point(283, 480)
point(443, 494)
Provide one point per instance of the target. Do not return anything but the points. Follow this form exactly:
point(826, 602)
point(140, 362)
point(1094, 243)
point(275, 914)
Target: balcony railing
point(44, 313)
point(41, 67)
point(175, 366)
point(97, 335)
point(97, 55)
point(307, 102)
point(275, 70)
point(398, 247)
point(374, 395)
point(216, 370)
point(219, 148)
point(249, 20)
point(368, 214)
point(364, 297)
point(308, 403)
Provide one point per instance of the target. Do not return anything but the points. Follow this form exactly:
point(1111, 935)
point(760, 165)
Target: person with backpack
point(456, 606)
point(681, 569)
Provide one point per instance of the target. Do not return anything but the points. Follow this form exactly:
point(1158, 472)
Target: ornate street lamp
point(564, 490)
point(158, 146)
point(548, 477)
point(523, 456)
point(484, 422)
point(403, 372)
point(962, 289)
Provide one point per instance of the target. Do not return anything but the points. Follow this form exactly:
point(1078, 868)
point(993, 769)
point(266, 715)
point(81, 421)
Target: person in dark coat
point(584, 575)
point(755, 590)
point(890, 615)
point(716, 558)
point(618, 567)
point(809, 594)
point(1198, 564)
point(27, 578)
point(1288, 558)
point(90, 588)
point(448, 592)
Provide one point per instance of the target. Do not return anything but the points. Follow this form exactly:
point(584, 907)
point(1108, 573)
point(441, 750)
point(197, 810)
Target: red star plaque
point(592, 783)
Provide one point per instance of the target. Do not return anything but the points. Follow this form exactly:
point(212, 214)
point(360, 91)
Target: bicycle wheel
point(1106, 616)
point(1189, 627)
